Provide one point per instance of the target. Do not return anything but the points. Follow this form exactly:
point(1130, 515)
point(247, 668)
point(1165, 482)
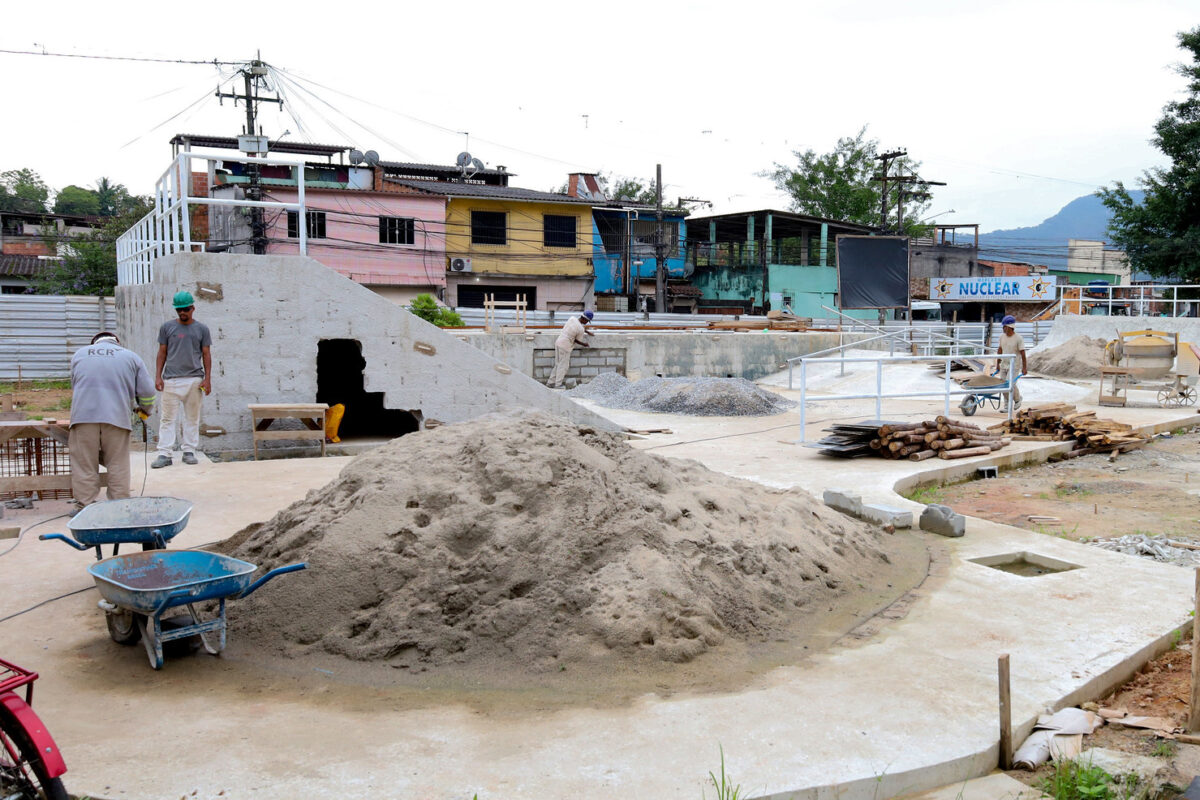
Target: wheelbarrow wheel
point(968, 405)
point(122, 627)
point(23, 773)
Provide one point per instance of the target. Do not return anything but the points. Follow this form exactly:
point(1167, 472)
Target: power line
point(213, 62)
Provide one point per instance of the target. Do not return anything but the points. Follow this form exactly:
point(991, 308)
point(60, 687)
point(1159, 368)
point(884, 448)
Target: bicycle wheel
point(22, 771)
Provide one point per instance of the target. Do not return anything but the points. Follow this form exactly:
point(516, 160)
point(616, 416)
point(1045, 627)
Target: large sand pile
point(710, 397)
point(528, 541)
point(1080, 357)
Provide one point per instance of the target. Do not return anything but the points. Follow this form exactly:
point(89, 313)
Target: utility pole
point(882, 177)
point(660, 247)
point(254, 72)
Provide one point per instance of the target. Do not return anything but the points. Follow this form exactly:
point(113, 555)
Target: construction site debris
point(526, 542)
point(1080, 357)
point(916, 441)
point(943, 521)
point(706, 397)
point(1045, 741)
point(1159, 548)
point(776, 321)
point(1061, 422)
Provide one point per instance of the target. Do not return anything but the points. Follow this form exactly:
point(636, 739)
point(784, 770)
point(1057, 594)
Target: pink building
point(387, 237)
point(394, 243)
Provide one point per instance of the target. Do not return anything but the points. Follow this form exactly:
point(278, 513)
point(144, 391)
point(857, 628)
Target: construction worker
point(1011, 344)
point(183, 370)
point(574, 332)
point(107, 383)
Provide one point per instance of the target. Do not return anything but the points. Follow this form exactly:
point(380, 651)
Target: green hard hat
point(183, 300)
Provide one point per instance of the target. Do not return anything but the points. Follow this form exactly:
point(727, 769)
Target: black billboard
point(872, 271)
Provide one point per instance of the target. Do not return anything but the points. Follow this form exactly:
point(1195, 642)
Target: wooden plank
point(1006, 740)
point(264, 435)
point(41, 483)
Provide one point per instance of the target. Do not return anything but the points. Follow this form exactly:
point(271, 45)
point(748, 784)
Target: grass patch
point(35, 386)
point(925, 494)
point(1075, 780)
point(726, 790)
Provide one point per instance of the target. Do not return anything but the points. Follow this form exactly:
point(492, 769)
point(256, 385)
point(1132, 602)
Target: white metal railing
point(167, 228)
point(879, 396)
point(1152, 300)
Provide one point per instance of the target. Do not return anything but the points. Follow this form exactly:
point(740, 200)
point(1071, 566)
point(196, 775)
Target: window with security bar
point(489, 227)
point(396, 230)
point(559, 230)
point(315, 227)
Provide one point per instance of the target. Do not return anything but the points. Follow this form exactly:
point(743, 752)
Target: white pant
point(176, 392)
point(562, 361)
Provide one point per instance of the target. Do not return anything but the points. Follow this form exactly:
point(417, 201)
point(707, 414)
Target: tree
point(23, 190)
point(618, 187)
point(1162, 234)
point(77, 201)
point(114, 198)
point(837, 185)
point(89, 263)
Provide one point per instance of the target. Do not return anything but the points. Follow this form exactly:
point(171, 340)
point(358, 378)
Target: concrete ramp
point(1068, 326)
point(268, 316)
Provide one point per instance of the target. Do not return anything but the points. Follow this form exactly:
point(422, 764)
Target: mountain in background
point(1082, 218)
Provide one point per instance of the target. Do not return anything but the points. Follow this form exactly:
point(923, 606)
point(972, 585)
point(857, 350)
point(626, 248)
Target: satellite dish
point(477, 164)
point(371, 158)
point(356, 157)
point(464, 158)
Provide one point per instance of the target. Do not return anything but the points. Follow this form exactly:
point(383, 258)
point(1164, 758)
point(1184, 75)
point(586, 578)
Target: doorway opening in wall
point(341, 371)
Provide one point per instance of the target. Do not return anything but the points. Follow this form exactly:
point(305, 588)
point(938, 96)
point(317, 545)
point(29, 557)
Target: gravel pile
point(1159, 548)
point(708, 397)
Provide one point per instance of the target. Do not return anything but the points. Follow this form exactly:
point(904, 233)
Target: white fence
point(168, 228)
point(39, 334)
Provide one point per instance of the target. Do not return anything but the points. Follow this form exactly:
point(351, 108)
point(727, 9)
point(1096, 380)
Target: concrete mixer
point(1136, 357)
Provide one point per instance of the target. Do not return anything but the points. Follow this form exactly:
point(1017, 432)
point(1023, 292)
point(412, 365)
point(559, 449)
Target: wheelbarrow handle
point(45, 537)
point(277, 571)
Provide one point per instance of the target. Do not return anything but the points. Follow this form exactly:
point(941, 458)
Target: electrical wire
point(26, 529)
point(213, 62)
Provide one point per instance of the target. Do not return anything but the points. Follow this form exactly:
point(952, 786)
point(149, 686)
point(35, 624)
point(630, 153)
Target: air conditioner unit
point(460, 265)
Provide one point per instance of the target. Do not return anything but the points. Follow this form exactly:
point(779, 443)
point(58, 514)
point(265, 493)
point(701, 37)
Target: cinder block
point(943, 521)
point(589, 372)
point(844, 500)
point(543, 362)
point(887, 515)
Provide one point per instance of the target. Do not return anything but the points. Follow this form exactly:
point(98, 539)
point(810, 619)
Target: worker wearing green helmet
point(183, 375)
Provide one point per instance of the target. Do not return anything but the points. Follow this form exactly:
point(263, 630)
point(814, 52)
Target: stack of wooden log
point(1060, 422)
point(942, 437)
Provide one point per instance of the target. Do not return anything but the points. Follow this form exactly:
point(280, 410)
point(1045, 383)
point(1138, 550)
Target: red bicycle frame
point(13, 678)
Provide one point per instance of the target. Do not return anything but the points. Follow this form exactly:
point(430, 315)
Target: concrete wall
point(586, 363)
point(267, 315)
point(703, 354)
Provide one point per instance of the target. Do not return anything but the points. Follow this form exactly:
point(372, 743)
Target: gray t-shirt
point(107, 381)
point(184, 343)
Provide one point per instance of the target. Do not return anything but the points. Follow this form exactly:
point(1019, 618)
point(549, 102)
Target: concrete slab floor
point(909, 709)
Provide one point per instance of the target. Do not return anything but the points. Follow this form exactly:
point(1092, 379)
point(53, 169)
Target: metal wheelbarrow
point(148, 521)
point(997, 395)
point(139, 587)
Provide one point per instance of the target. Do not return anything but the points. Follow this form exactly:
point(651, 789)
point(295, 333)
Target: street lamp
point(940, 213)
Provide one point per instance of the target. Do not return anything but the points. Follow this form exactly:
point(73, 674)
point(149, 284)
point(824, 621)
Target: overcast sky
point(1018, 106)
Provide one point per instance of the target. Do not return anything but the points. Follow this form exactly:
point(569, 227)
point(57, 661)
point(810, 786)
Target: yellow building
point(507, 242)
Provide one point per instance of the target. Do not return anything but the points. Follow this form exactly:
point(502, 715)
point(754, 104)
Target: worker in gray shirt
point(107, 383)
point(183, 371)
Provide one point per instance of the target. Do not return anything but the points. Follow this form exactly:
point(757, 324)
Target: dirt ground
point(38, 399)
point(1155, 490)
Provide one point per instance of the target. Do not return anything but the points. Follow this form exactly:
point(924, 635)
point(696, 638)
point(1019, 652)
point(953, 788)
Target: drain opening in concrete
point(340, 379)
point(1025, 564)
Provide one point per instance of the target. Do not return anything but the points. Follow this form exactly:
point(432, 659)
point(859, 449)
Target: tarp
point(872, 271)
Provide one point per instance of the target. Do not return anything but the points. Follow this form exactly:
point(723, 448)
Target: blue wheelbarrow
point(139, 587)
point(996, 395)
point(148, 521)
